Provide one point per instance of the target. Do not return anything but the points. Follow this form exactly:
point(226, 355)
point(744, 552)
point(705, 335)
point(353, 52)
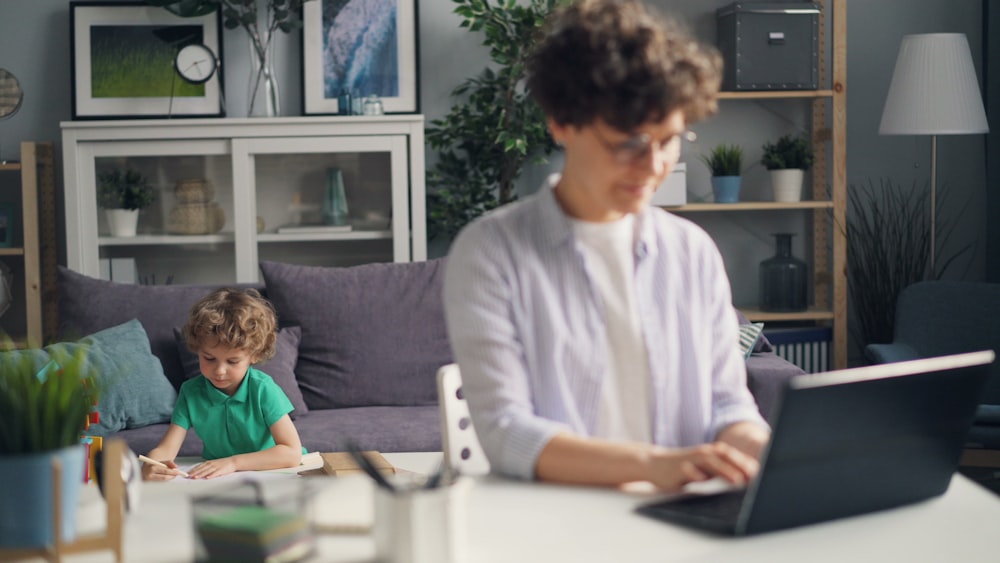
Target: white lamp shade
point(934, 90)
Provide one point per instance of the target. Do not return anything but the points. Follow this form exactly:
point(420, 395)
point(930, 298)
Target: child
point(240, 413)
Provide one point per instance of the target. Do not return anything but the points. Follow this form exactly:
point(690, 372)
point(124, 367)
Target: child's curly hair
point(237, 318)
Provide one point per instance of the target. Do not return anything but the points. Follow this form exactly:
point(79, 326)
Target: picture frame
point(8, 225)
point(390, 70)
point(123, 55)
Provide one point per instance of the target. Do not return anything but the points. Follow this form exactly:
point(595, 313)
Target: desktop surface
point(532, 522)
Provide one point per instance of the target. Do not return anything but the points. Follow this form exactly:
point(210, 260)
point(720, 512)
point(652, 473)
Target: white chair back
point(462, 452)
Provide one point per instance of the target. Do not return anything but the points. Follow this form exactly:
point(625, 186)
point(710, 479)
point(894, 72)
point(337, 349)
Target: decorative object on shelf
point(195, 212)
point(276, 15)
point(360, 46)
point(934, 91)
point(122, 194)
point(45, 401)
point(123, 62)
point(725, 162)
point(783, 279)
point(261, 225)
point(334, 198)
point(787, 160)
point(11, 96)
point(470, 178)
point(373, 105)
point(769, 46)
point(8, 225)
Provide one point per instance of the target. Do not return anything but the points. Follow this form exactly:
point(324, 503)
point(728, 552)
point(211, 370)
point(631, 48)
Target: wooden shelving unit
point(829, 213)
point(33, 260)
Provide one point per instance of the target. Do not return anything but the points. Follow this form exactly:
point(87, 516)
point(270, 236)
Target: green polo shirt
point(232, 425)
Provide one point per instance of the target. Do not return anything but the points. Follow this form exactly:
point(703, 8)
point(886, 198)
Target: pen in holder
point(248, 523)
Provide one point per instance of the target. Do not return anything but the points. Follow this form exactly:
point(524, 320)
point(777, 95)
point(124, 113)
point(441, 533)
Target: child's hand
point(213, 468)
point(152, 472)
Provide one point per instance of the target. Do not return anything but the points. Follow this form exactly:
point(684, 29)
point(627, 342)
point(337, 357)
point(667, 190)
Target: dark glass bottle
point(783, 279)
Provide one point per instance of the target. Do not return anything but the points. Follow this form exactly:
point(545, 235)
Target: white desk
point(529, 522)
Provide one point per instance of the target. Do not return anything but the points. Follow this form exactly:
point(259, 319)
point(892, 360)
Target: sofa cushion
point(385, 429)
point(749, 335)
point(371, 334)
point(281, 367)
point(87, 305)
point(134, 391)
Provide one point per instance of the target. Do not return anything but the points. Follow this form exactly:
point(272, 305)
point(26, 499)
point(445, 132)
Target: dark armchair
point(936, 318)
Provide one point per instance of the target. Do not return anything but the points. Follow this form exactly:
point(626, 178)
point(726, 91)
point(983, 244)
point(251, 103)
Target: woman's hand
point(671, 469)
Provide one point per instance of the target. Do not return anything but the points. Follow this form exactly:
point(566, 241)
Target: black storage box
point(769, 46)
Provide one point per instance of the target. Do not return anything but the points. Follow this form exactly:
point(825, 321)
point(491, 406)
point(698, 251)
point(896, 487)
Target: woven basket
point(194, 190)
point(196, 219)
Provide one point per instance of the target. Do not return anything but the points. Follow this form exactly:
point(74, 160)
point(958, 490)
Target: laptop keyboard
point(721, 508)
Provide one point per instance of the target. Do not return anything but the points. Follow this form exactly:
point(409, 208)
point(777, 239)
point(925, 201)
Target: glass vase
point(783, 279)
point(262, 92)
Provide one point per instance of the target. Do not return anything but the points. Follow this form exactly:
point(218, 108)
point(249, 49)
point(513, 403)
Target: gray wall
point(34, 45)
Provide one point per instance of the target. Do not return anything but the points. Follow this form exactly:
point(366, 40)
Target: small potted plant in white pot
point(787, 160)
point(123, 193)
point(726, 163)
point(44, 407)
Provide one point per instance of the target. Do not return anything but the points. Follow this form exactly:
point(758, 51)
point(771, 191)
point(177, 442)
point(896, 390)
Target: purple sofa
point(357, 354)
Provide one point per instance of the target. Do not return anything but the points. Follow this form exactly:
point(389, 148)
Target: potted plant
point(787, 160)
point(44, 407)
point(494, 127)
point(123, 193)
point(726, 163)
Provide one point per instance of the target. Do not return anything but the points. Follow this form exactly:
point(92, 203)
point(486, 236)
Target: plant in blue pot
point(44, 406)
point(726, 163)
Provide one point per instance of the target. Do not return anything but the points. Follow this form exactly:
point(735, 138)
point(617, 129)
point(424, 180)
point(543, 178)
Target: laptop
point(849, 442)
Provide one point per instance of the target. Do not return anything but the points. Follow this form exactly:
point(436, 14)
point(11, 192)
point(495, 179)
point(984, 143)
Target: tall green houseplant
point(494, 128)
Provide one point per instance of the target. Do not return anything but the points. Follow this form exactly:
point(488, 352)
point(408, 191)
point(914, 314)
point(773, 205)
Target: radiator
point(806, 347)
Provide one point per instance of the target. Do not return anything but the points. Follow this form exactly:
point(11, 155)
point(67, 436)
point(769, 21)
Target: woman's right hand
point(671, 469)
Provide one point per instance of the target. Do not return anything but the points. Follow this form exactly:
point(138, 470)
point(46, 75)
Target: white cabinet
point(263, 174)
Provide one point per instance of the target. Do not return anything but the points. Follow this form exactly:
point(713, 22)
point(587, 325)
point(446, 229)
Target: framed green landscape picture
point(124, 55)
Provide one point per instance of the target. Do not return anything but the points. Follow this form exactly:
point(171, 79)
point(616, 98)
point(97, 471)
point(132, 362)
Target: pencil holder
point(421, 525)
point(249, 522)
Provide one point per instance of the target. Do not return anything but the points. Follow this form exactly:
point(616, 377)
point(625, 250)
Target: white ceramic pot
point(787, 184)
point(122, 222)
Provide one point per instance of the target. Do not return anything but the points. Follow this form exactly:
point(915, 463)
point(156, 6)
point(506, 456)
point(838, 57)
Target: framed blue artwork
point(359, 48)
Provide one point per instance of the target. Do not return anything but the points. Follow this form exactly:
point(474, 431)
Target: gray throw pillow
point(134, 392)
point(371, 334)
point(281, 367)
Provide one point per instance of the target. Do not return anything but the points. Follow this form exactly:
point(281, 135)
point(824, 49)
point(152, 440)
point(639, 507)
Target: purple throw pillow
point(371, 335)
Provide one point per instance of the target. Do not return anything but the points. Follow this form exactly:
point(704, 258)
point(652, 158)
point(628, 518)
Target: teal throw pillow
point(749, 333)
point(134, 390)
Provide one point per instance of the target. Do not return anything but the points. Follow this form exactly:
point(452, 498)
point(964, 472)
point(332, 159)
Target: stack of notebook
point(255, 533)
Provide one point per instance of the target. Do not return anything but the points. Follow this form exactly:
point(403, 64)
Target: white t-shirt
point(624, 412)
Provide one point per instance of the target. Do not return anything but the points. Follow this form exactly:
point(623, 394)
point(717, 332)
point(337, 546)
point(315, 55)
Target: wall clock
point(196, 63)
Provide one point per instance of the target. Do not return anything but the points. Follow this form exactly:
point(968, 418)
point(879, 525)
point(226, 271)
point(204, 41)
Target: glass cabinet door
point(323, 201)
point(185, 236)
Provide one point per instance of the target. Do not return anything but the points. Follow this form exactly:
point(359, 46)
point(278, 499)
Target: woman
point(595, 334)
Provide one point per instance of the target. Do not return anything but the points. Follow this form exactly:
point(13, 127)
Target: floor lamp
point(934, 91)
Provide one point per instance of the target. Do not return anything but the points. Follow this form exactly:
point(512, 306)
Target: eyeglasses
point(635, 149)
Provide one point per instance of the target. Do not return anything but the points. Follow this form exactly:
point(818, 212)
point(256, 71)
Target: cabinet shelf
point(150, 240)
point(782, 94)
point(13, 166)
point(751, 206)
point(811, 314)
point(307, 237)
point(12, 251)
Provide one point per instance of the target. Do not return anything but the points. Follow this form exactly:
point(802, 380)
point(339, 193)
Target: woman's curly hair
point(236, 318)
point(615, 60)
